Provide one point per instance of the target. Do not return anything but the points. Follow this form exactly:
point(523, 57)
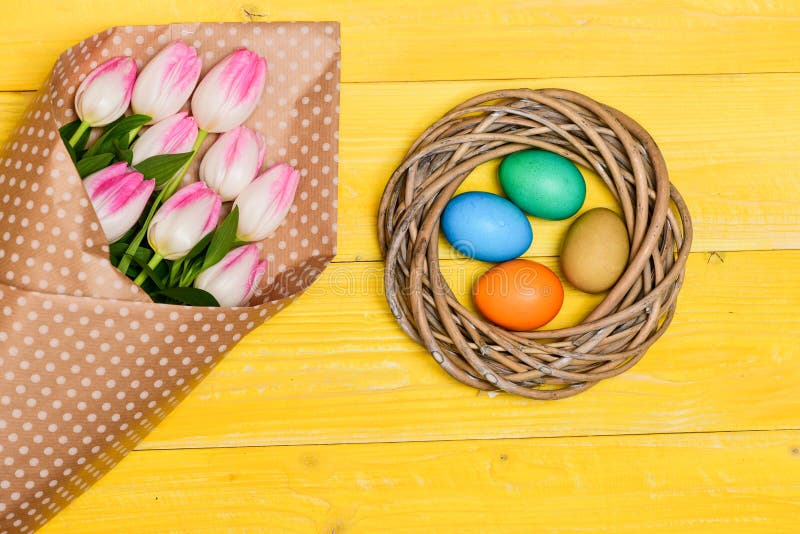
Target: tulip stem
point(79, 133)
point(176, 180)
point(152, 264)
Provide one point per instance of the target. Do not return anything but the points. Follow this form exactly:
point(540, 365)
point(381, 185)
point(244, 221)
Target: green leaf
point(223, 239)
point(67, 131)
point(190, 273)
point(151, 274)
point(184, 265)
point(117, 251)
point(123, 153)
point(162, 167)
point(126, 237)
point(113, 123)
point(198, 248)
point(118, 248)
point(180, 267)
point(188, 295)
point(92, 164)
point(118, 131)
point(175, 272)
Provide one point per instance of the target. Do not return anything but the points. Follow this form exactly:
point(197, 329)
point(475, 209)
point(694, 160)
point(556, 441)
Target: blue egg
point(486, 227)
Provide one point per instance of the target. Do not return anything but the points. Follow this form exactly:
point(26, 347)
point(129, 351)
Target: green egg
point(543, 184)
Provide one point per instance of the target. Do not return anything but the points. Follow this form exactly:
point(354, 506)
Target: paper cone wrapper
point(88, 363)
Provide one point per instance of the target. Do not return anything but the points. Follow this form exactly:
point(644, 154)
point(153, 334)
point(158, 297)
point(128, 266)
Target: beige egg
point(595, 250)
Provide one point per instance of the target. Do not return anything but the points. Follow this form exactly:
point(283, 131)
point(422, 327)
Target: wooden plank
point(731, 143)
point(741, 482)
point(451, 39)
point(335, 368)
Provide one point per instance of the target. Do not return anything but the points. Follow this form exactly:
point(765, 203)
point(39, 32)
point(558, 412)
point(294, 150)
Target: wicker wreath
point(541, 364)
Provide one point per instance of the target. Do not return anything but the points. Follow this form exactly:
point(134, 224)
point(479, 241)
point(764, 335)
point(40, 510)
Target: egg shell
point(486, 226)
point(544, 184)
point(595, 250)
point(519, 294)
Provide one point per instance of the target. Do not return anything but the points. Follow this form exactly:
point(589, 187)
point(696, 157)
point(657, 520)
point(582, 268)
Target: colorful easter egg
point(543, 184)
point(518, 294)
point(595, 250)
point(486, 227)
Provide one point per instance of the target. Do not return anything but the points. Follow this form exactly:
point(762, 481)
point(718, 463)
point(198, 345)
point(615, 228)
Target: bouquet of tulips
point(143, 240)
point(172, 240)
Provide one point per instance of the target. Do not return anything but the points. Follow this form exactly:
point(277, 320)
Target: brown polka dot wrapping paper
point(88, 363)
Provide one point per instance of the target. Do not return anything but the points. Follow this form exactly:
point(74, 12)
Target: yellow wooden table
point(328, 419)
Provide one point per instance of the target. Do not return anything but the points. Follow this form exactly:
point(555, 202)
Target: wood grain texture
point(740, 482)
point(453, 40)
point(381, 439)
point(335, 368)
point(731, 144)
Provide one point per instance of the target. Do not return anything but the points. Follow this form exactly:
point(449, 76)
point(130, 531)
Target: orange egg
point(519, 294)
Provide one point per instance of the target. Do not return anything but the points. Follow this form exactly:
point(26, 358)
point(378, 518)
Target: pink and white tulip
point(105, 93)
point(265, 202)
point(229, 93)
point(173, 135)
point(118, 194)
point(234, 279)
point(183, 220)
point(233, 161)
point(167, 81)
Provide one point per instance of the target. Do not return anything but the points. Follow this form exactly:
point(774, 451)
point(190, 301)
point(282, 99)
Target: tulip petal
point(123, 213)
point(229, 93)
point(262, 150)
point(232, 162)
point(183, 220)
point(118, 194)
point(174, 135)
point(234, 279)
point(98, 183)
point(105, 93)
point(167, 81)
point(265, 202)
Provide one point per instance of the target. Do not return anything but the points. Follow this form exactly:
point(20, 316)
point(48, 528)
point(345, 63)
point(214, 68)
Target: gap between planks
point(534, 78)
point(481, 438)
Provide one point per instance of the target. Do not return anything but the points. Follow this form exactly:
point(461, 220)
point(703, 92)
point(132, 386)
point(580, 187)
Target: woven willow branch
point(541, 364)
